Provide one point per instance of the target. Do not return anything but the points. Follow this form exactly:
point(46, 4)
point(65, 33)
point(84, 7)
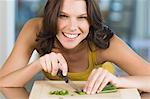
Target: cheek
point(60, 24)
point(85, 28)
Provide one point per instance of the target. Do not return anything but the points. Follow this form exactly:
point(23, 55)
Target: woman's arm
point(100, 77)
point(15, 93)
point(16, 71)
point(21, 76)
point(120, 54)
point(139, 82)
point(124, 57)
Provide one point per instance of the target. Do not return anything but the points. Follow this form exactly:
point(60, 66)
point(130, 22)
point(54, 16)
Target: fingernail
point(53, 74)
point(92, 93)
point(64, 73)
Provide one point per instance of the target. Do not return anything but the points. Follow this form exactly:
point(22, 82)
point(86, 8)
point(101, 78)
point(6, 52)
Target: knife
point(68, 81)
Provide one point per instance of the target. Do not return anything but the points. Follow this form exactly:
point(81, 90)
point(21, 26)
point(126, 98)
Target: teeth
point(71, 35)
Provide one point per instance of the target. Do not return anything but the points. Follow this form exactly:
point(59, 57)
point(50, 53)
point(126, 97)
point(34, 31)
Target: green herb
point(59, 92)
point(109, 88)
point(80, 92)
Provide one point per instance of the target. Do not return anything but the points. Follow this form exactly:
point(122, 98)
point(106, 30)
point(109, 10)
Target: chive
point(80, 92)
point(109, 88)
point(109, 91)
point(59, 92)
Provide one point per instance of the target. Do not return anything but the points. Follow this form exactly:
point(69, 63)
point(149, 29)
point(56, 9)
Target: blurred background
point(129, 19)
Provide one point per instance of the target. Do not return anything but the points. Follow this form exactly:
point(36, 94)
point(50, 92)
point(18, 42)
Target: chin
point(69, 46)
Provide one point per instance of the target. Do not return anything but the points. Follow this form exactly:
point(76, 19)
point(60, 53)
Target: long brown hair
point(99, 33)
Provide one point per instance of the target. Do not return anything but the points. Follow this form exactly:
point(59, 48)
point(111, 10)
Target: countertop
point(21, 93)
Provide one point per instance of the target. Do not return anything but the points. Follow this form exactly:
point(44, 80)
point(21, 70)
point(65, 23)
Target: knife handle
point(59, 74)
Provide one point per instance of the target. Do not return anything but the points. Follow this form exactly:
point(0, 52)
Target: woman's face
point(72, 24)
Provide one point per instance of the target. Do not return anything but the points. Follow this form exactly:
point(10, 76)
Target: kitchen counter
point(41, 88)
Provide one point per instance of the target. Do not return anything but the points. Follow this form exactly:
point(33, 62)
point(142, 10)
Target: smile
point(71, 36)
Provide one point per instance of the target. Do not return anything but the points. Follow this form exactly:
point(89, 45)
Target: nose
point(73, 25)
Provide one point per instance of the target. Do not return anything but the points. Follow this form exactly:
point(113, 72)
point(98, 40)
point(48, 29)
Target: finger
point(92, 80)
point(91, 75)
point(109, 78)
point(54, 63)
point(43, 64)
point(63, 64)
point(48, 63)
point(98, 81)
point(103, 84)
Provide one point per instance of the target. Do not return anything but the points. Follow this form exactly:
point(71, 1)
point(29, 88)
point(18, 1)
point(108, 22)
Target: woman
point(71, 36)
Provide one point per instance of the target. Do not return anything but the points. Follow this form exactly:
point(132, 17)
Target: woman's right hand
point(52, 62)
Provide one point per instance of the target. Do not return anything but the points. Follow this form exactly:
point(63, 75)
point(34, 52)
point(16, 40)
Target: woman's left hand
point(98, 79)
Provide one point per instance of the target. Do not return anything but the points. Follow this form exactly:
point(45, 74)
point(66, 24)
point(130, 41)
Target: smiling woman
point(72, 36)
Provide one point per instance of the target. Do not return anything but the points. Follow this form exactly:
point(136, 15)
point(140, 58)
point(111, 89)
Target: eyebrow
point(68, 14)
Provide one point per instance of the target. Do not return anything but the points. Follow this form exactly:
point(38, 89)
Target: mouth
point(71, 36)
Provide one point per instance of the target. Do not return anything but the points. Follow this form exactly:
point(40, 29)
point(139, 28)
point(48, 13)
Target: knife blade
point(68, 81)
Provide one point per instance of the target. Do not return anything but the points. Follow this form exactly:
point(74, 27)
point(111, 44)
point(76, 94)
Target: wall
point(7, 9)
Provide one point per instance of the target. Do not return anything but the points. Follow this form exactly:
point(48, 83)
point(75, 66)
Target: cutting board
point(41, 89)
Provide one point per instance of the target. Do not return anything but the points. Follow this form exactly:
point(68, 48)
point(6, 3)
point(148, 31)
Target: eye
point(83, 17)
point(62, 16)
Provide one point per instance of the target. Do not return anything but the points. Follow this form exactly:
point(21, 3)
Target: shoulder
point(32, 26)
point(35, 23)
point(116, 45)
point(29, 31)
